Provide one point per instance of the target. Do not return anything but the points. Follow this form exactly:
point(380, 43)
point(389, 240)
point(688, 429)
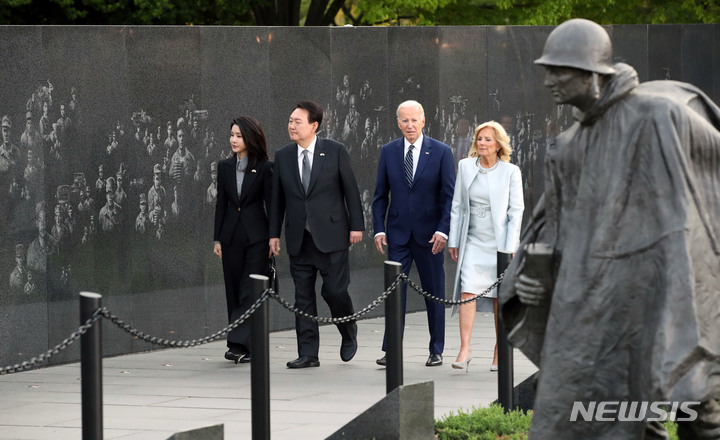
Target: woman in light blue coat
point(486, 214)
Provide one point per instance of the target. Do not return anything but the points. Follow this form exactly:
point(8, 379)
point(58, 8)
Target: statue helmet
point(581, 44)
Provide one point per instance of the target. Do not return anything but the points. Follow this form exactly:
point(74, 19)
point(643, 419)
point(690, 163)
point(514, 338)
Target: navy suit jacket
point(398, 209)
point(332, 206)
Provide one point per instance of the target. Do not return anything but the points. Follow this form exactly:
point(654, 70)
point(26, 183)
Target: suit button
point(239, 209)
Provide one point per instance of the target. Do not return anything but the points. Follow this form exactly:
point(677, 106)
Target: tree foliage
point(355, 12)
point(121, 12)
point(392, 12)
point(552, 12)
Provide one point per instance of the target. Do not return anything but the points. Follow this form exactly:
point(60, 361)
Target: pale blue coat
point(506, 206)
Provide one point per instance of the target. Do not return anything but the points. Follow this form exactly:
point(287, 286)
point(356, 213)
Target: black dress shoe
point(434, 360)
point(304, 362)
point(246, 359)
point(232, 356)
point(348, 348)
point(382, 361)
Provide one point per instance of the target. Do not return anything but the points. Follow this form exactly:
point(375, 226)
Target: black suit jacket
point(332, 206)
point(249, 210)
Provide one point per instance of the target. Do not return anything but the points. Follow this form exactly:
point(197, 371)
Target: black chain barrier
point(103, 312)
point(191, 343)
point(342, 319)
point(37, 360)
point(483, 294)
point(268, 293)
point(400, 278)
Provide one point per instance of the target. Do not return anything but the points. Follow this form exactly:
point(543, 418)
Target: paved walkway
point(150, 396)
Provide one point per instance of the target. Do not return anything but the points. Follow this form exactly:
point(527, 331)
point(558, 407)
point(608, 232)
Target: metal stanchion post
point(393, 328)
point(505, 351)
point(260, 366)
point(91, 369)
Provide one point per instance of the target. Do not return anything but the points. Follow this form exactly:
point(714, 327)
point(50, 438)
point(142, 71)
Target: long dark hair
point(253, 137)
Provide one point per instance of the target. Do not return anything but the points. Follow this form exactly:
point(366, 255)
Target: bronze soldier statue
point(625, 307)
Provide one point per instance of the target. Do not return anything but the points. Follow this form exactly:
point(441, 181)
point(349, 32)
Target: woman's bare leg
point(467, 319)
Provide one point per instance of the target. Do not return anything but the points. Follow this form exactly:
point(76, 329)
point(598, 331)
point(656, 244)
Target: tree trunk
point(276, 13)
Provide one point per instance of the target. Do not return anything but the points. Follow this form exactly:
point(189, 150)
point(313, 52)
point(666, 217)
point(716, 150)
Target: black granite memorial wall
point(111, 132)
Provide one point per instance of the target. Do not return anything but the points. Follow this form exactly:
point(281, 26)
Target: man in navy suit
point(419, 172)
point(314, 189)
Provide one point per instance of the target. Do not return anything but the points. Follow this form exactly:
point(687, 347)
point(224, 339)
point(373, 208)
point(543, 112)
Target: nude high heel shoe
point(463, 365)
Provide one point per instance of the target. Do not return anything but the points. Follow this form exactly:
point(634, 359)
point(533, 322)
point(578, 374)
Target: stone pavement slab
point(150, 396)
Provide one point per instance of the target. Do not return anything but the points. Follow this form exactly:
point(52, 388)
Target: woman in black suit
point(241, 224)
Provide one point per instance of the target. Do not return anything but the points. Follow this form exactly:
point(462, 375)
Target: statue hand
point(530, 291)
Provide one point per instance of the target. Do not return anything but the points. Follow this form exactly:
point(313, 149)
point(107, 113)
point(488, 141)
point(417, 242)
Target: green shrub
point(492, 423)
point(489, 423)
point(671, 428)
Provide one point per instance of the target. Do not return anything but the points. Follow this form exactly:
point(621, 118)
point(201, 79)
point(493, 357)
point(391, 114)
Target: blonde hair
point(501, 138)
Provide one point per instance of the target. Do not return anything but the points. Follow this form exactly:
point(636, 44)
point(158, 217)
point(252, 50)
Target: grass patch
point(492, 423)
point(489, 423)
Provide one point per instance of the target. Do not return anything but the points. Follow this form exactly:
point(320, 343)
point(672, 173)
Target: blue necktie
point(409, 166)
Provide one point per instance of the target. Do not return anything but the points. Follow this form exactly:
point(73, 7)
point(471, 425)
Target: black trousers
point(334, 267)
point(239, 261)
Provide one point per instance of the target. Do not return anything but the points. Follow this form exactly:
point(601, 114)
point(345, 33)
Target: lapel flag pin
point(427, 152)
point(322, 154)
point(254, 171)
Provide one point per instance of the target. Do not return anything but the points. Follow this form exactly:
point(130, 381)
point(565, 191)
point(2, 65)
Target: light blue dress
point(479, 266)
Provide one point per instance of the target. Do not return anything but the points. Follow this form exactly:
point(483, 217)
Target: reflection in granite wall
point(110, 136)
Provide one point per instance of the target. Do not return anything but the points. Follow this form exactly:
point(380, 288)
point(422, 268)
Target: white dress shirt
point(310, 155)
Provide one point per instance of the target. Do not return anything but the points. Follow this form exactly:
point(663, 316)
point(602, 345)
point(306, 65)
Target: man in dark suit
point(419, 172)
point(314, 189)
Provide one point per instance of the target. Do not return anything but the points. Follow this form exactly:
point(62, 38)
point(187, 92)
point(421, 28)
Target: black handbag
point(272, 275)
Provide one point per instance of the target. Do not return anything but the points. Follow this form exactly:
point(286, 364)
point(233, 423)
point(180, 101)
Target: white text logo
point(606, 411)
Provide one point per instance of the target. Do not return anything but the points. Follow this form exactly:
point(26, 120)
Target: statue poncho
point(632, 209)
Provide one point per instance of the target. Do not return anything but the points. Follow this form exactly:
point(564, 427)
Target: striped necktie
point(409, 166)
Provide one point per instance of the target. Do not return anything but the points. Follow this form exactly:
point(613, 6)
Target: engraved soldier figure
point(30, 139)
point(18, 277)
point(111, 213)
point(142, 218)
point(43, 245)
point(157, 194)
point(211, 193)
point(120, 194)
point(9, 153)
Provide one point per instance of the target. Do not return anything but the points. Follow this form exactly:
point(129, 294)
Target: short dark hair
point(315, 112)
point(253, 137)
